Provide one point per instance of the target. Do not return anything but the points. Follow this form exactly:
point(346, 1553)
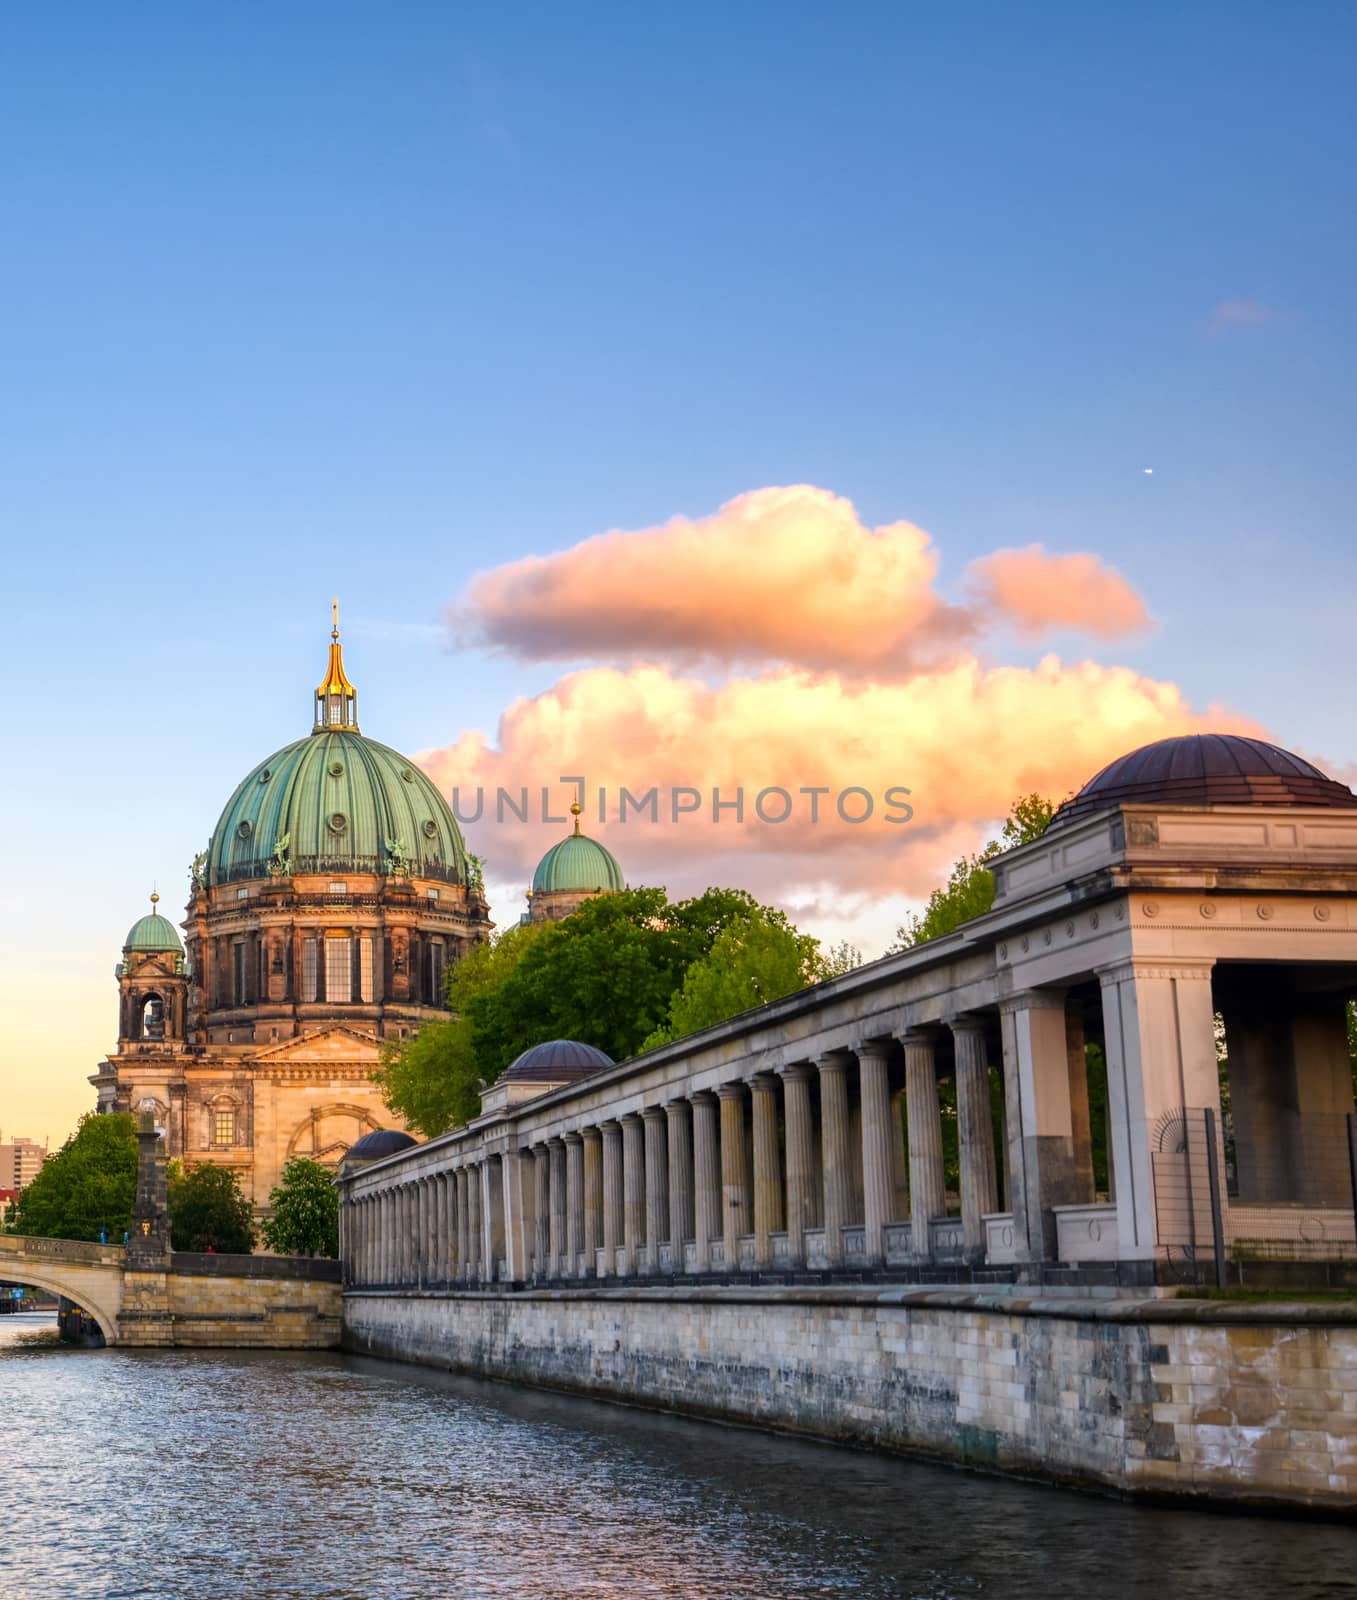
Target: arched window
point(153, 1017)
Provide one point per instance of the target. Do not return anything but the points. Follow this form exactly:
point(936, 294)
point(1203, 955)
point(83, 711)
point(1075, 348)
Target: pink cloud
point(784, 574)
point(780, 575)
point(1238, 314)
point(1037, 592)
point(965, 739)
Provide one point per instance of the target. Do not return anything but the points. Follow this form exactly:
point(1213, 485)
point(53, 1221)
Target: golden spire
point(575, 809)
point(336, 697)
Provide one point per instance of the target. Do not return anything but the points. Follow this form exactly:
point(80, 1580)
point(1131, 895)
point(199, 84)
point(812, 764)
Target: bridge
point(185, 1299)
point(90, 1275)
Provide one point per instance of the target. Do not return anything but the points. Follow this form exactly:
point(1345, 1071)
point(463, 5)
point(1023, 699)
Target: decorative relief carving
point(1209, 909)
point(1150, 908)
point(1323, 913)
point(1266, 912)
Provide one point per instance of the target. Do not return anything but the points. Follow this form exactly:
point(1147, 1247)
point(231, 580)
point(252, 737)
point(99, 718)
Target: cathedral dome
point(332, 802)
point(1206, 769)
point(152, 933)
point(578, 864)
point(336, 802)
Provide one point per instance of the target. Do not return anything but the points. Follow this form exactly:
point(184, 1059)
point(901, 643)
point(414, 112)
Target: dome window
point(265, 775)
point(244, 830)
point(336, 769)
point(337, 822)
point(430, 828)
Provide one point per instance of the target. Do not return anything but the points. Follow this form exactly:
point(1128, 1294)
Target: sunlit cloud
point(964, 739)
point(1038, 592)
point(1232, 314)
point(787, 575)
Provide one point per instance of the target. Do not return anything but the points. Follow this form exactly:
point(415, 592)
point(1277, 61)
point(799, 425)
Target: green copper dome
point(152, 932)
point(336, 802)
point(577, 863)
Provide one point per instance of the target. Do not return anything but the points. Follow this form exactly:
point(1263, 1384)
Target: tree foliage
point(432, 1079)
point(303, 1211)
point(208, 1211)
point(969, 890)
point(754, 959)
point(88, 1186)
point(605, 975)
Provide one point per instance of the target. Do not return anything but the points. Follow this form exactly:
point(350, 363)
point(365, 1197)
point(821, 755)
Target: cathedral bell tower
point(152, 986)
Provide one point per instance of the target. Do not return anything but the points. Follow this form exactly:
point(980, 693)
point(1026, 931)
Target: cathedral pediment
point(331, 1044)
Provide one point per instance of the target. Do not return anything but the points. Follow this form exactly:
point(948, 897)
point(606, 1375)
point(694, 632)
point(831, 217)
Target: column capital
point(802, 1071)
point(1187, 967)
point(966, 1022)
point(702, 1097)
point(730, 1091)
point(1033, 1000)
point(763, 1083)
point(676, 1107)
point(610, 1125)
point(650, 1113)
point(631, 1116)
point(573, 1137)
point(921, 1037)
point(832, 1063)
point(872, 1047)
point(591, 1133)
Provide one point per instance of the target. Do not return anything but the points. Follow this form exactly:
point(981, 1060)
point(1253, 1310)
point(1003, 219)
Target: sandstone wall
point(1156, 1397)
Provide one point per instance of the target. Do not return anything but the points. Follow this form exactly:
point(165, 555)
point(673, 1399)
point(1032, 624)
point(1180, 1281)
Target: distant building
point(334, 893)
point(571, 872)
point(20, 1162)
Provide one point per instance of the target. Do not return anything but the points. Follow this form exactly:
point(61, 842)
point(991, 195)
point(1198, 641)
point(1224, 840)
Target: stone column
point(633, 1190)
point(454, 1248)
point(736, 1211)
point(1040, 1126)
point(518, 1213)
point(975, 1128)
point(541, 1233)
point(878, 1177)
point(463, 1226)
point(1081, 1123)
point(800, 1132)
point(768, 1214)
point(1159, 1023)
point(899, 1162)
point(433, 1272)
point(614, 1230)
point(493, 1203)
point(657, 1184)
point(927, 1191)
point(421, 1241)
point(556, 1236)
point(474, 1231)
point(574, 1203)
point(680, 1179)
point(706, 1179)
point(593, 1199)
point(834, 1150)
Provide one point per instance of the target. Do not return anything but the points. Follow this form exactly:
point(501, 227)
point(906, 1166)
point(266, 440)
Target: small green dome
point(335, 802)
point(152, 932)
point(577, 863)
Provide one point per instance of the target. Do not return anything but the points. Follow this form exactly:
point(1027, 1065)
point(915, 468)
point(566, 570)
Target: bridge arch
point(93, 1285)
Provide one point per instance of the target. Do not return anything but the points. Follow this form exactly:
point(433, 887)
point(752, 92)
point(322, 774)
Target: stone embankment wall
point(234, 1302)
point(1169, 1398)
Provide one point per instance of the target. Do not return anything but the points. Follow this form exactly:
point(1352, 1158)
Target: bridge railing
point(14, 1245)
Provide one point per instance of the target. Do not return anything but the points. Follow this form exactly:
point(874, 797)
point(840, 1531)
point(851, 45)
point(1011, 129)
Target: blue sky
point(304, 298)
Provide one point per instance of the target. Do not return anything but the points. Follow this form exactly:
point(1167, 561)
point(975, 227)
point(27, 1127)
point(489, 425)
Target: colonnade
point(823, 1164)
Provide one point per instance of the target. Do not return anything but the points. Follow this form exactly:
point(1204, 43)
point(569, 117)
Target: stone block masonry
point(1169, 1399)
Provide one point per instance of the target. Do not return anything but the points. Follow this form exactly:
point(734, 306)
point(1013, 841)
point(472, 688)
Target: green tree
point(756, 958)
point(432, 1079)
point(969, 890)
point(88, 1186)
point(208, 1210)
point(304, 1211)
point(839, 958)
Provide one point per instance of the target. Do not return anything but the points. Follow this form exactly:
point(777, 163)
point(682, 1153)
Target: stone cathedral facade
point(335, 891)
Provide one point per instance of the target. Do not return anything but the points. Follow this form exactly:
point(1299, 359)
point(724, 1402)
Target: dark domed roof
point(1206, 769)
point(380, 1142)
point(557, 1061)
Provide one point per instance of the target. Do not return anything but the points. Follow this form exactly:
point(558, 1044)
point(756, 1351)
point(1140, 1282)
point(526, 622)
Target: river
point(191, 1476)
